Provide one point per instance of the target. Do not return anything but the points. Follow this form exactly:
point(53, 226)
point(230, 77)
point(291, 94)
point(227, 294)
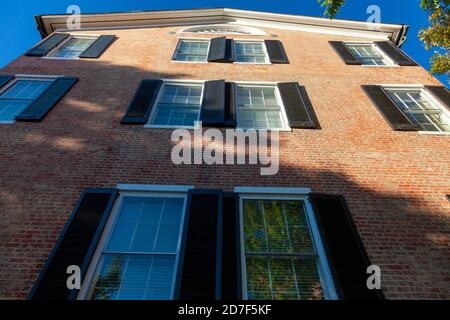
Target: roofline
point(396, 37)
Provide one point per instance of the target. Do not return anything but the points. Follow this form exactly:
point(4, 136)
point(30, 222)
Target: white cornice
point(148, 19)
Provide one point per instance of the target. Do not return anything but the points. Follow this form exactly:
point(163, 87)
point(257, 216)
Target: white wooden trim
point(269, 190)
point(153, 187)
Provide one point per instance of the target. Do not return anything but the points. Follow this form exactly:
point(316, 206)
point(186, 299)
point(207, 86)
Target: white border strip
point(153, 187)
point(269, 190)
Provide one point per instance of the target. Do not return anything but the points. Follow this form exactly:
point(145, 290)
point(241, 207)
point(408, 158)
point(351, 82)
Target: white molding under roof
point(49, 23)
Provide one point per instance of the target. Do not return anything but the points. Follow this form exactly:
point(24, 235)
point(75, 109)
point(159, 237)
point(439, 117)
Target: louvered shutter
point(298, 106)
point(76, 244)
point(141, 105)
point(344, 249)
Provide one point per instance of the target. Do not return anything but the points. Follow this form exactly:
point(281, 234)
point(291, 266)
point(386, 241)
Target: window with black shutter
point(66, 46)
point(30, 98)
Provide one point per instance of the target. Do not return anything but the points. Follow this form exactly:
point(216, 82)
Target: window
point(15, 98)
point(368, 54)
point(420, 109)
point(73, 47)
point(138, 258)
point(178, 105)
point(192, 50)
point(250, 52)
point(259, 107)
point(281, 259)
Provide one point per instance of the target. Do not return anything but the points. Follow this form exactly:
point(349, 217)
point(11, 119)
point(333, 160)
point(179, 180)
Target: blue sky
point(18, 31)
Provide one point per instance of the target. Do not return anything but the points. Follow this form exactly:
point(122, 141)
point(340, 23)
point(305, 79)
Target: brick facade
point(395, 182)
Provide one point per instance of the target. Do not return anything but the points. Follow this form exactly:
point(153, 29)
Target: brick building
point(87, 179)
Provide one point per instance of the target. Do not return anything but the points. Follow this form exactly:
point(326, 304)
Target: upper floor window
point(250, 52)
point(19, 95)
point(137, 260)
point(192, 50)
point(420, 109)
point(260, 107)
point(368, 54)
point(178, 105)
point(73, 47)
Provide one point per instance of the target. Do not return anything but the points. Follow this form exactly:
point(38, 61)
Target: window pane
point(179, 105)
point(276, 226)
point(251, 52)
point(147, 225)
point(367, 54)
point(283, 278)
point(420, 109)
point(10, 108)
point(281, 262)
point(133, 277)
point(258, 108)
point(195, 51)
point(26, 89)
point(73, 47)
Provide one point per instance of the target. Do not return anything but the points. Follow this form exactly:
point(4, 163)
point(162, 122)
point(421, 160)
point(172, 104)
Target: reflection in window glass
point(259, 108)
point(420, 109)
point(138, 261)
point(179, 105)
point(281, 261)
point(192, 50)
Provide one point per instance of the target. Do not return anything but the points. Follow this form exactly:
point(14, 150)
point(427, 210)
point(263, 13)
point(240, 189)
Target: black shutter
point(4, 79)
point(395, 53)
point(230, 104)
point(217, 49)
point(441, 93)
point(276, 51)
point(199, 272)
point(230, 55)
point(96, 49)
point(213, 104)
point(345, 54)
point(47, 45)
point(345, 252)
point(75, 245)
point(393, 115)
point(231, 257)
point(140, 107)
point(298, 106)
point(47, 100)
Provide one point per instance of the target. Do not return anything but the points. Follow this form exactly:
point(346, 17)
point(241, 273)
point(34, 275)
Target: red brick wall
point(395, 182)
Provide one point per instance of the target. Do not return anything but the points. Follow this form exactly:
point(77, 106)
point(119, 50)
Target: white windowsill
point(270, 190)
point(7, 122)
point(434, 133)
point(199, 62)
point(151, 126)
point(385, 66)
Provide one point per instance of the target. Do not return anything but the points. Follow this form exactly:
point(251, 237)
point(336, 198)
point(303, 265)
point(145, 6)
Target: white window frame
point(300, 194)
point(149, 124)
point(144, 191)
point(179, 40)
point(26, 77)
point(50, 56)
point(432, 99)
point(284, 117)
point(389, 62)
point(266, 54)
